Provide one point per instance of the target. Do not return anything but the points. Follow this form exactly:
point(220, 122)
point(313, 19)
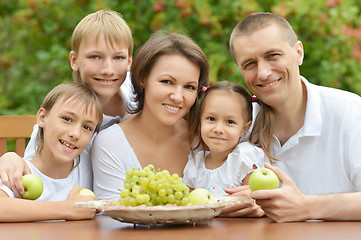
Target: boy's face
point(223, 121)
point(68, 129)
point(102, 66)
point(269, 64)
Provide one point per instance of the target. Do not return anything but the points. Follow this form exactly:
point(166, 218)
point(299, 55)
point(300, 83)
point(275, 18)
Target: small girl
point(68, 117)
point(219, 161)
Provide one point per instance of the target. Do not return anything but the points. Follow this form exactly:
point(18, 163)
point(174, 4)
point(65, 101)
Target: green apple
point(200, 195)
point(86, 192)
point(33, 186)
point(263, 178)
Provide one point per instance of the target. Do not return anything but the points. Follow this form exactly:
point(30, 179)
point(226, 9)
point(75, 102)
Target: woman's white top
point(111, 156)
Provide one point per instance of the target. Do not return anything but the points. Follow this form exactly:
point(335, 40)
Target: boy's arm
point(12, 168)
point(21, 210)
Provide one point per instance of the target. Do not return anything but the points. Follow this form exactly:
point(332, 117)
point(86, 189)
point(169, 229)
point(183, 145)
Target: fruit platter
point(152, 197)
point(154, 215)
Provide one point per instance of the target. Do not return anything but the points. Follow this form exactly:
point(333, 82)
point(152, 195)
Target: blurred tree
point(35, 39)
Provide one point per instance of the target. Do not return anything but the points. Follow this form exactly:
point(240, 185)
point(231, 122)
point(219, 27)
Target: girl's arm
point(21, 210)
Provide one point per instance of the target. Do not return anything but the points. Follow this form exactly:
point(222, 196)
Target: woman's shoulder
point(113, 129)
point(109, 134)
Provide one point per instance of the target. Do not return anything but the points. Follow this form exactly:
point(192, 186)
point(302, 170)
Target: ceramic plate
point(169, 214)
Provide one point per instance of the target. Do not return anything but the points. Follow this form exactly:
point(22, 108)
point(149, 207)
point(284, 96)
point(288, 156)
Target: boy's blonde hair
point(107, 22)
point(79, 93)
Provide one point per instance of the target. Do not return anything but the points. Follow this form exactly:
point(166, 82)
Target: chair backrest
point(18, 128)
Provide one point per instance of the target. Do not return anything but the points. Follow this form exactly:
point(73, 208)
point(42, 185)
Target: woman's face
point(171, 88)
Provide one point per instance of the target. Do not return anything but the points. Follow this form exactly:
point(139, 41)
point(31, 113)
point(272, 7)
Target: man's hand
point(284, 204)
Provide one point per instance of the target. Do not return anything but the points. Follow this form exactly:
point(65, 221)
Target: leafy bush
point(35, 39)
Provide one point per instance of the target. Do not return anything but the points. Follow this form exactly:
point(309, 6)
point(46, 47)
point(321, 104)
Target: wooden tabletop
point(104, 227)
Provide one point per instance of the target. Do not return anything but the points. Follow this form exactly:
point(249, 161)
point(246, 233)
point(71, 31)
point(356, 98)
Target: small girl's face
point(68, 128)
point(223, 120)
point(102, 65)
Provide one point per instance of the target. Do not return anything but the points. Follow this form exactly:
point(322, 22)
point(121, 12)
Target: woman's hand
point(241, 205)
point(12, 168)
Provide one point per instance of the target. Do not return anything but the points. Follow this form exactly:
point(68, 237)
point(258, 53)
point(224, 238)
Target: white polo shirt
point(324, 156)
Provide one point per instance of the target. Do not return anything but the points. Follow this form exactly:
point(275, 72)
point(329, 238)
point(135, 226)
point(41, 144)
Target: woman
point(167, 75)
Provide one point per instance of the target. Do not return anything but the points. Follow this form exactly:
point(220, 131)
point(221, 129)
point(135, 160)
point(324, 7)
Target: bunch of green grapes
point(149, 187)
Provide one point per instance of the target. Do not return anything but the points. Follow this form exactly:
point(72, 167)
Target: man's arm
point(288, 204)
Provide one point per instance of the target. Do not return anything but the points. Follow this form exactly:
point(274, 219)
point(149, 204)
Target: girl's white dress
point(239, 163)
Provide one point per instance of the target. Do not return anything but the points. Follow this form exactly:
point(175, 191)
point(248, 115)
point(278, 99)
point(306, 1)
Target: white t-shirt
point(239, 163)
point(57, 189)
point(111, 156)
point(324, 156)
point(127, 94)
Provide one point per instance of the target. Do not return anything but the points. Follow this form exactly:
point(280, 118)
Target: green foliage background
point(35, 39)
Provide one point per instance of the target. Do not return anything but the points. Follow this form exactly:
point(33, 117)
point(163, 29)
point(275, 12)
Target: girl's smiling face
point(171, 88)
point(223, 120)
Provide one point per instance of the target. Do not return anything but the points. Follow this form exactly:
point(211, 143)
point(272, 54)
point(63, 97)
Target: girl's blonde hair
point(77, 92)
point(107, 22)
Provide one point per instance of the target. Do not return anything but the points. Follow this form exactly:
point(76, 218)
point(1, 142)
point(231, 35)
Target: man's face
point(269, 64)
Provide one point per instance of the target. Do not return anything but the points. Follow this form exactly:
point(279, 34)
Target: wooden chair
point(18, 128)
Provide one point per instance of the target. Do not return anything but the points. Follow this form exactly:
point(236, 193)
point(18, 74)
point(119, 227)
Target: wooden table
point(103, 227)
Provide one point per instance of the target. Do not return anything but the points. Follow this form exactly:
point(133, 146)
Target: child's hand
point(74, 195)
point(244, 208)
point(12, 168)
point(76, 213)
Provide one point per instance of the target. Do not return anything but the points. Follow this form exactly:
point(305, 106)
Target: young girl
point(101, 55)
point(220, 161)
point(167, 75)
point(68, 117)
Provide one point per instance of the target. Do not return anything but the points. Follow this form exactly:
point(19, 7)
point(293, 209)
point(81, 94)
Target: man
point(314, 132)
